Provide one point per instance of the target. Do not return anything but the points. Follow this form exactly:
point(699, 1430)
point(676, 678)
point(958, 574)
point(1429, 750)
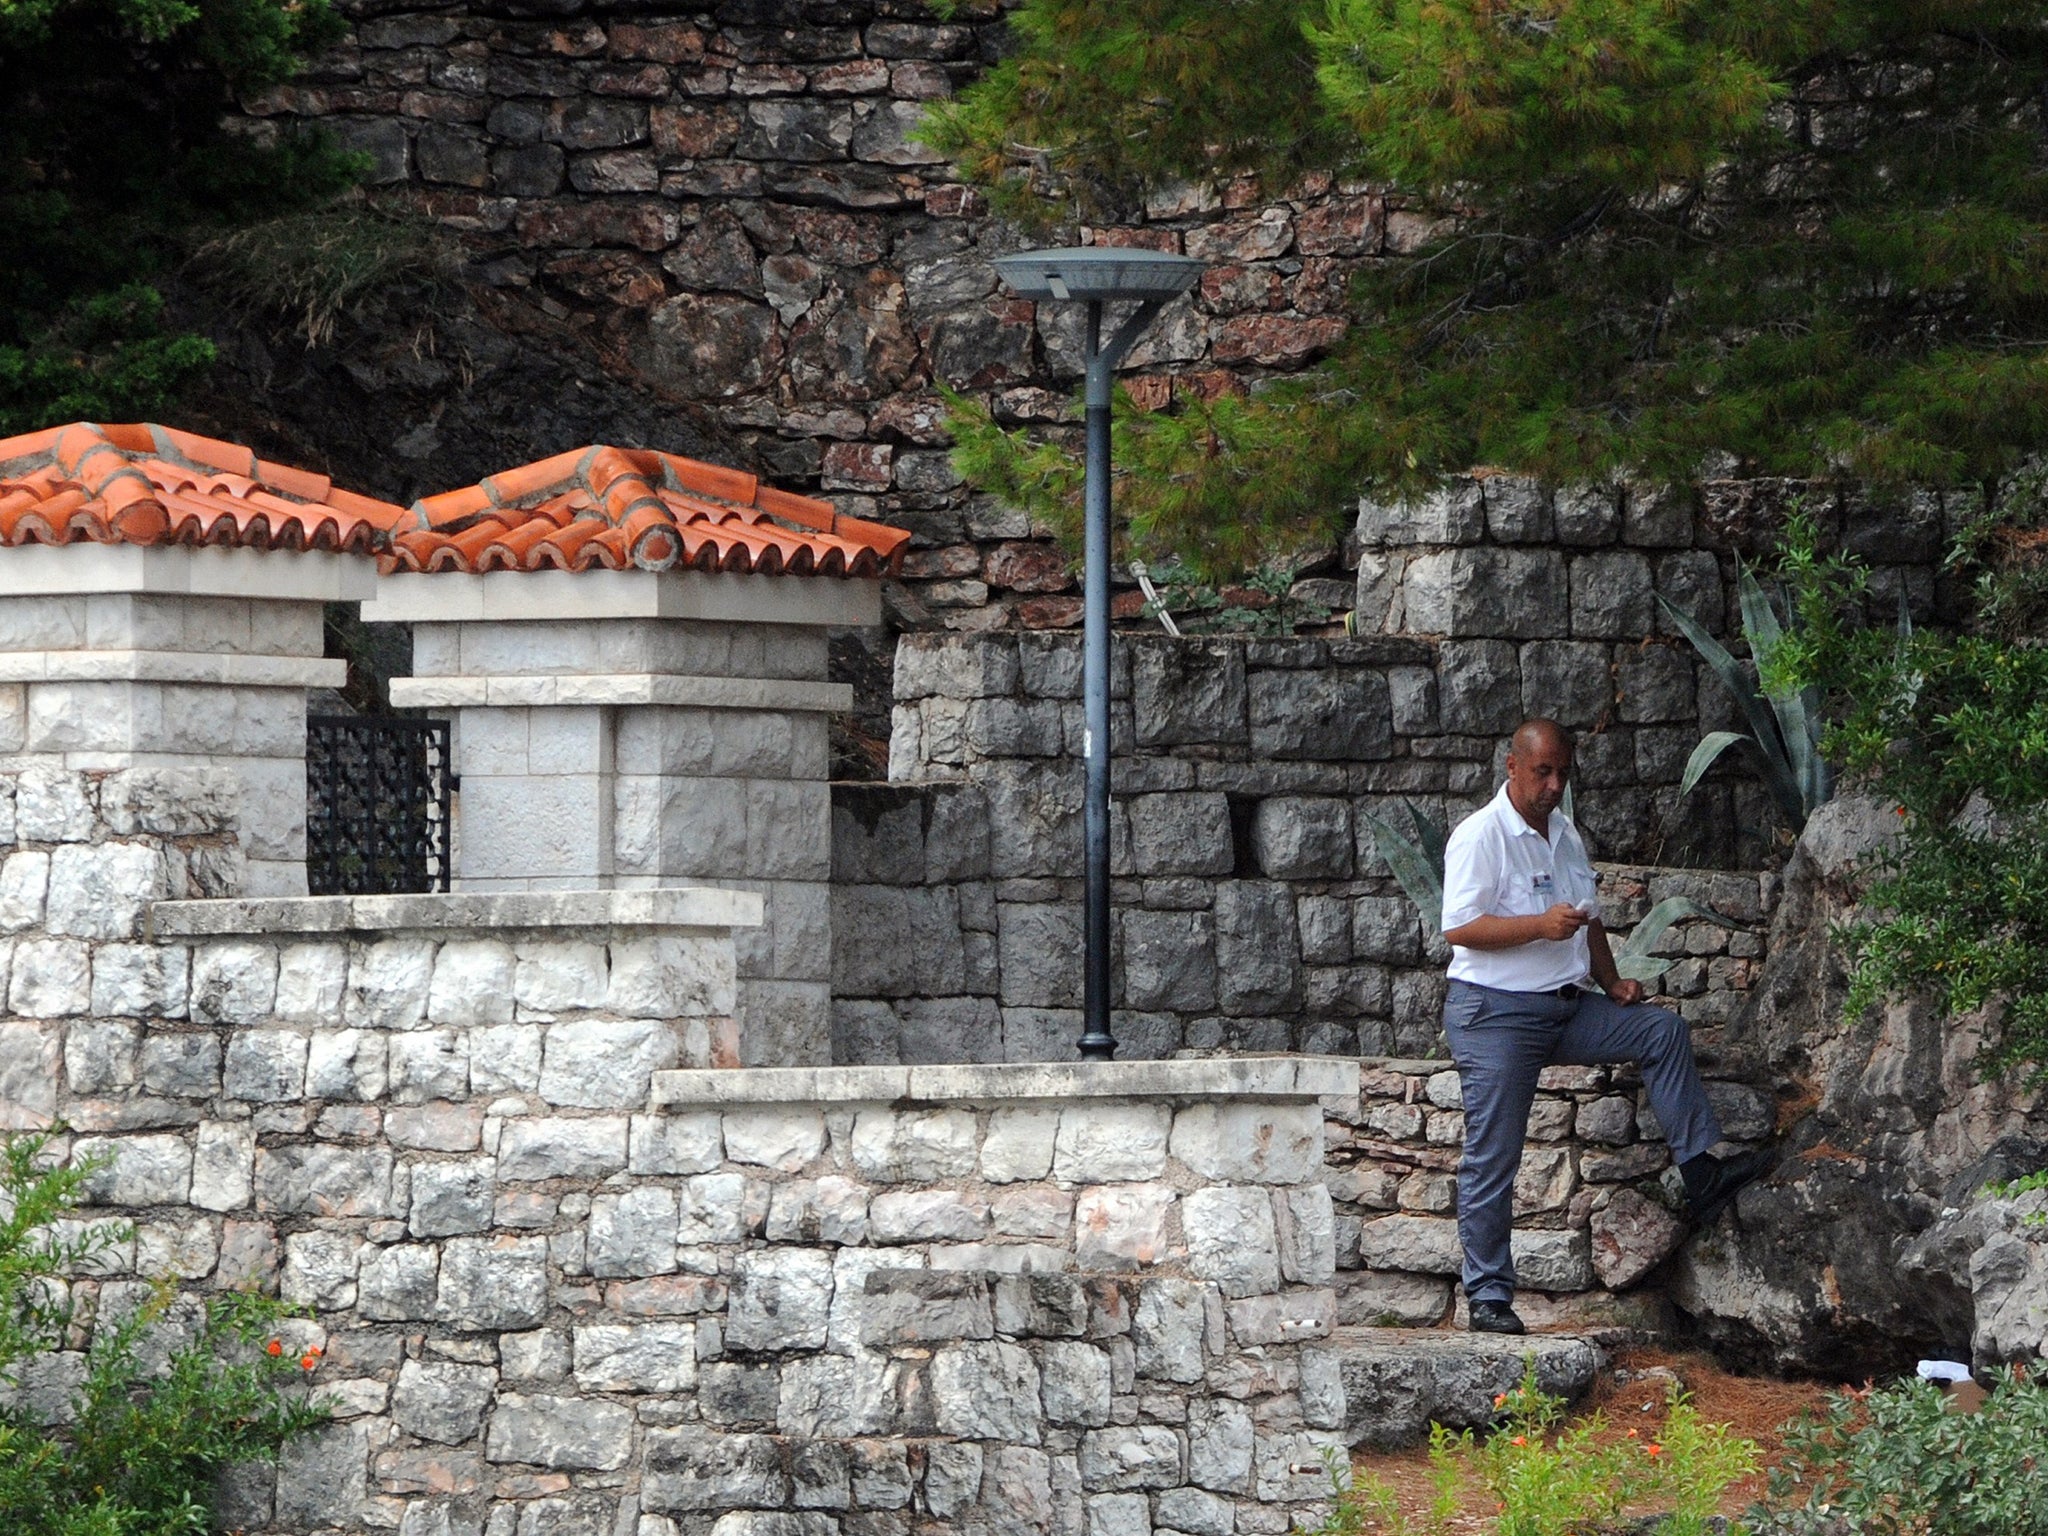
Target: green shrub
point(1894, 1461)
point(126, 1436)
point(1953, 728)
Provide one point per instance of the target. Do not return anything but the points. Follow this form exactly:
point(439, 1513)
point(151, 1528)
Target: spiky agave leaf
point(1420, 878)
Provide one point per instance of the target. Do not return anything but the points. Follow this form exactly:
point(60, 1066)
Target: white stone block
point(265, 1066)
point(1100, 1142)
point(1119, 1226)
point(559, 976)
point(310, 982)
point(273, 806)
point(180, 1250)
point(102, 891)
point(24, 879)
point(429, 1064)
point(1231, 1239)
point(672, 975)
point(636, 1357)
point(50, 807)
point(568, 741)
point(783, 1137)
point(1019, 1145)
point(346, 1064)
point(269, 722)
point(50, 978)
point(472, 984)
point(505, 1059)
point(604, 1063)
point(799, 925)
point(320, 1269)
point(533, 826)
point(388, 983)
point(922, 1146)
point(223, 1166)
point(1262, 1143)
point(141, 980)
point(233, 982)
point(666, 1144)
point(704, 828)
point(712, 1208)
point(633, 1234)
point(489, 743)
point(137, 1170)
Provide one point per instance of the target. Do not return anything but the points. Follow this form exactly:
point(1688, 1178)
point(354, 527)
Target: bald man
point(1527, 948)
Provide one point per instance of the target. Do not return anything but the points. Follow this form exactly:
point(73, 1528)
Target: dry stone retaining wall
point(1254, 911)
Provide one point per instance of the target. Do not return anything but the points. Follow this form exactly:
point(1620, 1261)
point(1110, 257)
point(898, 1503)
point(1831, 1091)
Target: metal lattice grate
point(377, 789)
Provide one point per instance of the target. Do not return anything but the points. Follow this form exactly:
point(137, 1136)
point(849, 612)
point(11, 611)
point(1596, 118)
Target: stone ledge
point(304, 576)
point(672, 907)
point(1224, 1077)
point(449, 597)
point(565, 689)
point(171, 667)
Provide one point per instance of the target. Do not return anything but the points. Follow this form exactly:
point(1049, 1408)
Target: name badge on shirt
point(1545, 887)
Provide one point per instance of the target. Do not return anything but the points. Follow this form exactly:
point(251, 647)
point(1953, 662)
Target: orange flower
point(1654, 1450)
point(307, 1362)
point(1500, 1399)
point(1632, 1434)
point(1519, 1440)
point(274, 1348)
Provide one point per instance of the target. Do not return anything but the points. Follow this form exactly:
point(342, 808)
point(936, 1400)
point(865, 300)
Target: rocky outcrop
point(1830, 1265)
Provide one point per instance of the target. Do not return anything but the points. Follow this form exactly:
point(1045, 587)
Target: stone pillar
point(635, 729)
point(124, 656)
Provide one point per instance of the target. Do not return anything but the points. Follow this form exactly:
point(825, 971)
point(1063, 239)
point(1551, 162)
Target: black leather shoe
point(1712, 1183)
point(1495, 1317)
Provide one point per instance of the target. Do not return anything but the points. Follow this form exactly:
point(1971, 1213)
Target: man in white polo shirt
point(1521, 916)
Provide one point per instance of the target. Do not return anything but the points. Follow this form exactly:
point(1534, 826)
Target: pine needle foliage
point(1812, 236)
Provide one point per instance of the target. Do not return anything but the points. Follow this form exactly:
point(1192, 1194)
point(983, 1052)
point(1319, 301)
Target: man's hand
point(1625, 992)
point(1561, 922)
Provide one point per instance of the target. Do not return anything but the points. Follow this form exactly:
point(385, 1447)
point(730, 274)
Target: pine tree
point(1780, 236)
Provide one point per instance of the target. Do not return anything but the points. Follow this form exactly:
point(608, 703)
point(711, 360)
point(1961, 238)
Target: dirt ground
point(1632, 1397)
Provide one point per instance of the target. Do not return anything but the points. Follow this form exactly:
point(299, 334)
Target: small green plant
point(1418, 864)
point(1785, 722)
point(2026, 1184)
point(1258, 605)
point(125, 1436)
point(1546, 1477)
point(1895, 1461)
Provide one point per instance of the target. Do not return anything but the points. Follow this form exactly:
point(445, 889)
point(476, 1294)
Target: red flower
point(273, 1348)
point(1654, 1450)
point(308, 1361)
point(1519, 1440)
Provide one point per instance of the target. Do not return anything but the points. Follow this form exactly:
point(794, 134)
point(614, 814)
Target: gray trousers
point(1501, 1041)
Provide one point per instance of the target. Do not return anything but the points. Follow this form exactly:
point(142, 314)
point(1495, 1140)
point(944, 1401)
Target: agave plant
point(1418, 864)
point(1785, 724)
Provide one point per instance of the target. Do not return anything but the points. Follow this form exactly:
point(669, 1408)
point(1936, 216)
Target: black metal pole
point(1096, 1043)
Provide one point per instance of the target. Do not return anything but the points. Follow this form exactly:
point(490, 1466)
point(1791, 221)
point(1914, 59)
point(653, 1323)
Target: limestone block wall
point(868, 1301)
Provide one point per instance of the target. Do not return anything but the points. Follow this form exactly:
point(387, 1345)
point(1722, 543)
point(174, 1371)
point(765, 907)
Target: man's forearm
point(1602, 956)
point(1490, 932)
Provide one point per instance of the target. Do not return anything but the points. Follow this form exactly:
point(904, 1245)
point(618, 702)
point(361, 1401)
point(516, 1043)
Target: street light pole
point(1100, 275)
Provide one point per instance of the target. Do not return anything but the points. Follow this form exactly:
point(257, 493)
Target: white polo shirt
point(1497, 865)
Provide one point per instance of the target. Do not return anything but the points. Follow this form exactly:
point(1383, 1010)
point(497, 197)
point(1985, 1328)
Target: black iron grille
point(376, 805)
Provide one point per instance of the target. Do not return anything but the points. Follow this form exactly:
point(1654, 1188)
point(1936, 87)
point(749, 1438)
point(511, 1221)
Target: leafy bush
point(1547, 1478)
point(126, 1436)
point(1954, 729)
point(1894, 1461)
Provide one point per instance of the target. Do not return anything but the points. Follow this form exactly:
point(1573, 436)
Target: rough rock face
point(1888, 1134)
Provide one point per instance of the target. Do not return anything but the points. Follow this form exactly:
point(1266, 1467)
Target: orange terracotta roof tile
point(597, 508)
point(144, 484)
point(610, 508)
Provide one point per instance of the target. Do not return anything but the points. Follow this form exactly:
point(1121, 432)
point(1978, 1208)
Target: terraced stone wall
point(1253, 909)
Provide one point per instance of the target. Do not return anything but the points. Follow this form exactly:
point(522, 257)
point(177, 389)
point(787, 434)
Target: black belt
point(1570, 994)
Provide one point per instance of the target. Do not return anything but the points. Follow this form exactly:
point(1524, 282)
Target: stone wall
point(1253, 909)
point(1596, 1203)
point(553, 1302)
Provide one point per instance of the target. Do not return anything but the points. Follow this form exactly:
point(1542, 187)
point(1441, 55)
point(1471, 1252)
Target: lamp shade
point(1102, 272)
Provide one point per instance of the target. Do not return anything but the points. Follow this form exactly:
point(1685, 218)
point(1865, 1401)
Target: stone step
point(1397, 1381)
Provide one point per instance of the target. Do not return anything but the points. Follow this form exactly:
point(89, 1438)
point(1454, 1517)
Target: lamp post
point(1096, 276)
